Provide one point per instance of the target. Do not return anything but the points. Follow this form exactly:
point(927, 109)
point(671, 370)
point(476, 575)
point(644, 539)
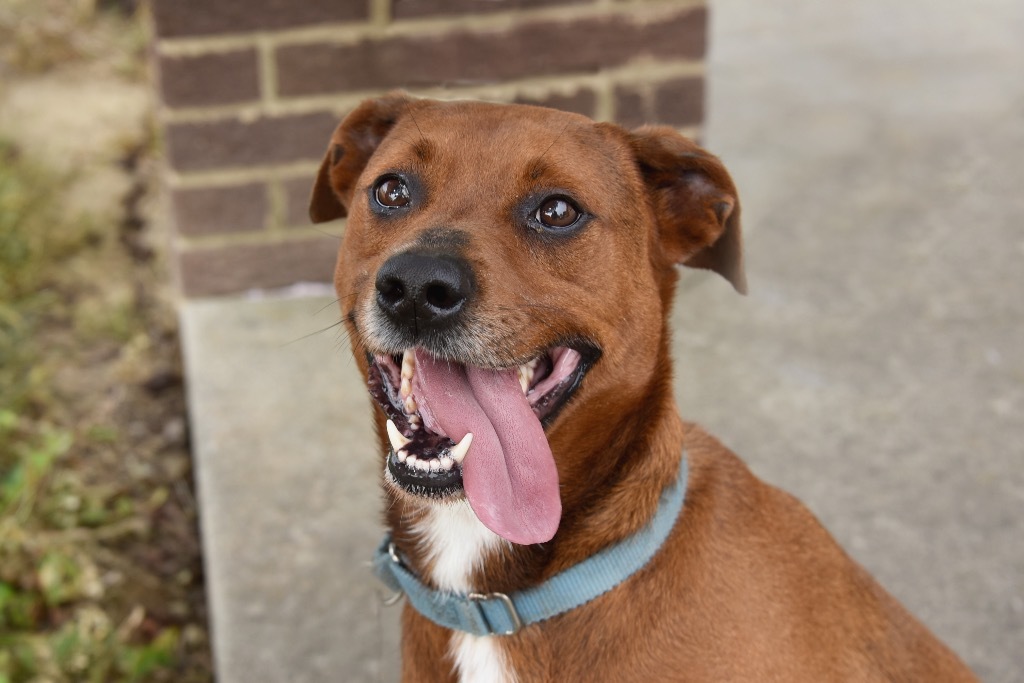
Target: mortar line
point(268, 71)
point(605, 106)
point(255, 238)
point(380, 13)
point(275, 218)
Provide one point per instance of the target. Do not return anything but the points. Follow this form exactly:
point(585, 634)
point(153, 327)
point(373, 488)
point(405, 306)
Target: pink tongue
point(509, 474)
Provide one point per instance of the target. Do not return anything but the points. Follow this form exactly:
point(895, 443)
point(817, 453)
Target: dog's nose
point(420, 291)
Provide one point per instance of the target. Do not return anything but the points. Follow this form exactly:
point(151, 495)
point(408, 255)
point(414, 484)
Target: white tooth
point(397, 439)
point(435, 465)
point(411, 461)
point(459, 450)
point(422, 465)
point(408, 364)
point(532, 365)
point(402, 456)
point(410, 405)
point(447, 463)
point(406, 389)
point(524, 380)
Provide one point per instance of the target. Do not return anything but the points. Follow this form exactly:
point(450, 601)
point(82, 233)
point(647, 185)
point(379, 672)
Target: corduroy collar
point(489, 614)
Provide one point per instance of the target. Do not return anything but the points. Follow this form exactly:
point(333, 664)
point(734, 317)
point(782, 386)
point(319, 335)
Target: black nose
point(422, 292)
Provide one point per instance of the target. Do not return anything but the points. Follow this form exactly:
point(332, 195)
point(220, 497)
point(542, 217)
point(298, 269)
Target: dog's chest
point(456, 543)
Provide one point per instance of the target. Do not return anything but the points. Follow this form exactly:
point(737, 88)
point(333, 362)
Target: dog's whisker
point(325, 307)
point(412, 115)
point(313, 334)
point(560, 133)
point(329, 234)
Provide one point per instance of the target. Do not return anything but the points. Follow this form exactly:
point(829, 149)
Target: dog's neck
point(448, 547)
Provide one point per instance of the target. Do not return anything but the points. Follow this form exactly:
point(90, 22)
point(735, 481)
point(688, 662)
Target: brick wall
point(250, 91)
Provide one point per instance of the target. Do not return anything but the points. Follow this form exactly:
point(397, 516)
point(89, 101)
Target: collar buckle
point(506, 602)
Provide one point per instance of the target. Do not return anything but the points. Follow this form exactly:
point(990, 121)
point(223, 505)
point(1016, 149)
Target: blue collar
point(489, 614)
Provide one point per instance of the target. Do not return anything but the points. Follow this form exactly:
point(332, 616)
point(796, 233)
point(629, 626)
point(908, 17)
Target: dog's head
point(505, 276)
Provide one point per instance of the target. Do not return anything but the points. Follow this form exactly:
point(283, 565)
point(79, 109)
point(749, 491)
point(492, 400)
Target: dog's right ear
point(694, 201)
point(353, 143)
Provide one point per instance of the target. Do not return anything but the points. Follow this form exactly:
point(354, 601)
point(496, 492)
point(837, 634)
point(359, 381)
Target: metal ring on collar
point(517, 623)
point(393, 552)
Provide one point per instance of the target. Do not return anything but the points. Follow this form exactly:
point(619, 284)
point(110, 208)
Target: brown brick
point(213, 78)
point(232, 142)
point(631, 106)
point(215, 210)
point(467, 57)
point(411, 9)
point(680, 102)
point(176, 18)
point(583, 101)
point(296, 197)
point(227, 270)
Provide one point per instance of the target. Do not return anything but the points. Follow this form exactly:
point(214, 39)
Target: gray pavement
point(876, 370)
point(288, 490)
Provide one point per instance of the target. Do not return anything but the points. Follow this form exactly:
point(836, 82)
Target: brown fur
point(749, 586)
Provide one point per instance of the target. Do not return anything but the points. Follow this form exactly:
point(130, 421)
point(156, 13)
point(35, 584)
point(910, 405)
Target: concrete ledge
point(289, 494)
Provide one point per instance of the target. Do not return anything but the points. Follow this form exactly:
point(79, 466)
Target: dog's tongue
point(509, 473)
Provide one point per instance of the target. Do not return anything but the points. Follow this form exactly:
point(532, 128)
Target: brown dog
point(505, 277)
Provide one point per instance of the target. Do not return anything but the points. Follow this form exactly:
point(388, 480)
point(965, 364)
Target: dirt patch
point(100, 565)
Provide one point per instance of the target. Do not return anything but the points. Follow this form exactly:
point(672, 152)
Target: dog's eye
point(557, 212)
point(392, 192)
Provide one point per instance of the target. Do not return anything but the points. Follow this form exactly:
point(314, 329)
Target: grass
point(53, 623)
point(100, 569)
point(65, 523)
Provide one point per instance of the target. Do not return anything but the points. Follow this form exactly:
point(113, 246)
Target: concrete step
point(289, 493)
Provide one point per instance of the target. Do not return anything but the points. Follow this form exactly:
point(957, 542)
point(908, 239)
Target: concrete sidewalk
point(876, 370)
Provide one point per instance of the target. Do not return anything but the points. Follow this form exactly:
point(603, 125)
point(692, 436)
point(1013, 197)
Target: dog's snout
point(420, 291)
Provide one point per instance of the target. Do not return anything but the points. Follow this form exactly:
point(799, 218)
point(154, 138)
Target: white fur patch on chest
point(456, 543)
point(480, 660)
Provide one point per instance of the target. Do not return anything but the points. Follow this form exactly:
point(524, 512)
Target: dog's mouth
point(456, 427)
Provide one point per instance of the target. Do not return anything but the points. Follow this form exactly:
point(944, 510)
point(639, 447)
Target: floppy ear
point(353, 143)
point(695, 203)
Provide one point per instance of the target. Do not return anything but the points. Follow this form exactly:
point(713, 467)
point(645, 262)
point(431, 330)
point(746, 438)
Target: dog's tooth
point(402, 456)
point(410, 405)
point(406, 388)
point(408, 364)
point(397, 439)
point(411, 461)
point(422, 464)
point(435, 465)
point(524, 379)
point(459, 450)
point(447, 463)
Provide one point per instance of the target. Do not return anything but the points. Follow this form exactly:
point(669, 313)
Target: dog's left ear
point(695, 203)
point(353, 143)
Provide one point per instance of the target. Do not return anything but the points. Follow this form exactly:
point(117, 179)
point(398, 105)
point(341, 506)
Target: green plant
point(57, 519)
point(52, 622)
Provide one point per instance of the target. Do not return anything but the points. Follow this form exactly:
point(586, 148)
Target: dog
point(505, 278)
